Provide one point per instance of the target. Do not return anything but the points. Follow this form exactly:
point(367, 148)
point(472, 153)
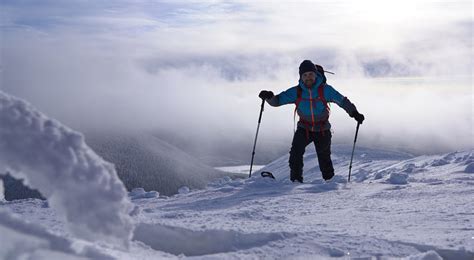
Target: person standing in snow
point(311, 96)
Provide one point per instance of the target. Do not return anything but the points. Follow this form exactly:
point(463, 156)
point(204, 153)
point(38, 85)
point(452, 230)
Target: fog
point(192, 70)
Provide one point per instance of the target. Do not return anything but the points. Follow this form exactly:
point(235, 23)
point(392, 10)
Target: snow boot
point(328, 175)
point(296, 176)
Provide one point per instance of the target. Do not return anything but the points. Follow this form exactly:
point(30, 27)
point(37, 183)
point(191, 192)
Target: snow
point(22, 240)
point(426, 214)
point(430, 255)
point(242, 169)
point(144, 161)
point(177, 240)
point(469, 168)
point(2, 193)
point(183, 190)
point(396, 205)
point(398, 178)
point(140, 193)
point(55, 160)
point(429, 217)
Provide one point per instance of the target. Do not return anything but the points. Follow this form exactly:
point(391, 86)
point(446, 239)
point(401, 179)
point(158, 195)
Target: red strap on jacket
point(321, 94)
point(299, 92)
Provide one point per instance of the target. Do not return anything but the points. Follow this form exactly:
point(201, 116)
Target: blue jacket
point(311, 109)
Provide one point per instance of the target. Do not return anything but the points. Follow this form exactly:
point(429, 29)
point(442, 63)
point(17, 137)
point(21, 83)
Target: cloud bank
point(195, 68)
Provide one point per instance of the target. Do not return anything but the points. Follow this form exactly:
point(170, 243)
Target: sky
point(195, 68)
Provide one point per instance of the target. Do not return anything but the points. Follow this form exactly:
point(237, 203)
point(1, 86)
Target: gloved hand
point(265, 94)
point(358, 117)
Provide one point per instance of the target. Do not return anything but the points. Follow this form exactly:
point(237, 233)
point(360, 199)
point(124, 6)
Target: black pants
point(322, 142)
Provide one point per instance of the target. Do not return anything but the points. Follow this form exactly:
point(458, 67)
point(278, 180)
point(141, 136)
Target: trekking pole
point(353, 148)
point(256, 135)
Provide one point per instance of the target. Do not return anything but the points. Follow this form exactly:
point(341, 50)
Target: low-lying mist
point(191, 76)
point(204, 110)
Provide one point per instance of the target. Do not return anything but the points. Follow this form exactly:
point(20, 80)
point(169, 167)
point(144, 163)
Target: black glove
point(358, 117)
point(265, 94)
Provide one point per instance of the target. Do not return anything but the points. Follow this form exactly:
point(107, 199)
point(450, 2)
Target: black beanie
point(306, 66)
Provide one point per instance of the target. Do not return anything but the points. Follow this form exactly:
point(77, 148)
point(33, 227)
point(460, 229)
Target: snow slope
point(429, 217)
point(145, 161)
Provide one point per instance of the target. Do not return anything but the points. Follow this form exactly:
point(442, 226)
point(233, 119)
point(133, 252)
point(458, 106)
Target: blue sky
point(122, 63)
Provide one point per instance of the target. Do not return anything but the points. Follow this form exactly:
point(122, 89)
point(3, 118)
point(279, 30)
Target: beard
point(309, 82)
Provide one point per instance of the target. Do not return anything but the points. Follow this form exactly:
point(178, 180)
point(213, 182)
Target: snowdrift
point(55, 160)
point(23, 240)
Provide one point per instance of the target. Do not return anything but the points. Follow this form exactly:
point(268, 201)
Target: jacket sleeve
point(334, 96)
point(286, 97)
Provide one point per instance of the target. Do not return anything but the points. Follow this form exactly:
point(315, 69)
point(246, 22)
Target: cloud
point(198, 67)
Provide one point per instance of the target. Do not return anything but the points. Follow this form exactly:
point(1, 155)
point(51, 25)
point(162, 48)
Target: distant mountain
point(15, 189)
point(145, 161)
point(141, 161)
point(218, 150)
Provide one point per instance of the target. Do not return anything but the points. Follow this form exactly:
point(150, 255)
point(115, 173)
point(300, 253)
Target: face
point(308, 78)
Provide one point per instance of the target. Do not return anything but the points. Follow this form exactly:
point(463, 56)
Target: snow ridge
point(24, 240)
point(55, 160)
